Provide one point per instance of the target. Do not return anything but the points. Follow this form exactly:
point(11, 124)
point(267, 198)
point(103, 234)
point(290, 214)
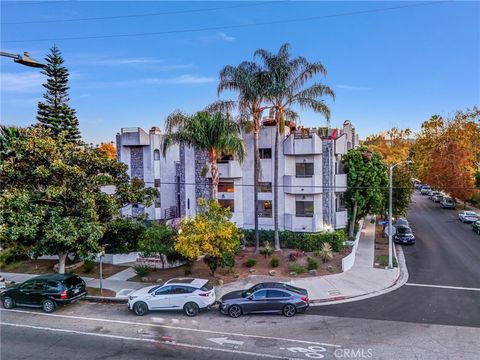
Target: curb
point(401, 279)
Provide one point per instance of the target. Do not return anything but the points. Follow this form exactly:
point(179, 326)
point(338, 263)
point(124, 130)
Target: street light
point(24, 59)
point(390, 229)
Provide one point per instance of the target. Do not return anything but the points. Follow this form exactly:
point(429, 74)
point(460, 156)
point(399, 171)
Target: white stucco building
point(311, 177)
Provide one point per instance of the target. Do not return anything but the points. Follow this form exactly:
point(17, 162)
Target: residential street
point(446, 253)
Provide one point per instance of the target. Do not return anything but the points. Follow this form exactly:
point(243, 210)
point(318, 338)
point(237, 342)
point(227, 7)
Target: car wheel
point(289, 310)
point(8, 302)
point(140, 308)
point(191, 309)
point(235, 311)
point(48, 306)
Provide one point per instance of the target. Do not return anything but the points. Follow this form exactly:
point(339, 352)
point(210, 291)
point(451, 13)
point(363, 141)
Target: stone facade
point(136, 162)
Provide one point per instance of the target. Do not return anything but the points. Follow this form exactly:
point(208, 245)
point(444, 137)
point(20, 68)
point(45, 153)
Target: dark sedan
point(45, 291)
point(404, 235)
point(265, 298)
point(476, 227)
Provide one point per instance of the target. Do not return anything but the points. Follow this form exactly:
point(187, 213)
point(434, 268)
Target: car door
point(257, 302)
point(160, 298)
point(28, 293)
point(277, 299)
point(180, 296)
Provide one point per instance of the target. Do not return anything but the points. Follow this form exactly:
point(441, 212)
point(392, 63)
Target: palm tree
point(287, 80)
point(250, 81)
point(212, 131)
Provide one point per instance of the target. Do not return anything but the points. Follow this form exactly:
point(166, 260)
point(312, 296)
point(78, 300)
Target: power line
point(142, 15)
point(225, 27)
point(10, 3)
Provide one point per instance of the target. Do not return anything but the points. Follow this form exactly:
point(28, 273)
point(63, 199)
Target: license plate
point(76, 291)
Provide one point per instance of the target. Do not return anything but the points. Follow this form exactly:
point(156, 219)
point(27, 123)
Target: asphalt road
point(446, 254)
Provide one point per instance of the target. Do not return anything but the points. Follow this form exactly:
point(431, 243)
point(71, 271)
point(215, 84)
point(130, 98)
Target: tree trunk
point(353, 221)
point(62, 258)
point(275, 191)
point(256, 163)
point(214, 172)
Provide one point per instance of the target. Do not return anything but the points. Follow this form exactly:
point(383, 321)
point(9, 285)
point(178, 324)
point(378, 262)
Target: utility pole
point(24, 59)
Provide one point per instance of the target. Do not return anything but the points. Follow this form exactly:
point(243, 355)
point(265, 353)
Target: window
point(28, 285)
point(260, 295)
point(39, 285)
point(156, 154)
point(166, 290)
point(277, 294)
point(265, 153)
point(227, 204)
point(304, 170)
point(224, 186)
point(52, 285)
point(224, 159)
point(304, 208)
point(264, 208)
point(156, 182)
point(181, 290)
point(158, 202)
point(265, 187)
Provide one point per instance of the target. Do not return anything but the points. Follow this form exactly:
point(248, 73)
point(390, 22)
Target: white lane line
point(444, 287)
point(170, 327)
point(119, 337)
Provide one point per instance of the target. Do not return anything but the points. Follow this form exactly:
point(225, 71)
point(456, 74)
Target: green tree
point(158, 240)
point(217, 133)
point(122, 235)
point(287, 87)
point(367, 179)
point(8, 134)
point(51, 201)
point(402, 190)
point(210, 233)
point(250, 81)
point(55, 113)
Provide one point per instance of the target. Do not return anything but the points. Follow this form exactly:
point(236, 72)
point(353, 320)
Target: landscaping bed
point(96, 292)
point(262, 266)
point(381, 248)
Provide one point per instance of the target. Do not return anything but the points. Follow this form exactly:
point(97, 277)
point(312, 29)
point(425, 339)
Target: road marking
point(120, 337)
point(224, 340)
point(170, 327)
point(444, 287)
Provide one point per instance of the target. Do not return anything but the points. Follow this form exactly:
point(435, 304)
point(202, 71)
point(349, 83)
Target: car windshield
point(470, 213)
point(404, 230)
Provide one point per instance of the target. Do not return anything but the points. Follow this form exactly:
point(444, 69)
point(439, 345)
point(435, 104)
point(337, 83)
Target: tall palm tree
point(288, 78)
point(250, 81)
point(215, 132)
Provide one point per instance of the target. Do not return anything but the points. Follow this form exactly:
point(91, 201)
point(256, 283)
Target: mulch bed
point(96, 292)
point(381, 244)
point(262, 267)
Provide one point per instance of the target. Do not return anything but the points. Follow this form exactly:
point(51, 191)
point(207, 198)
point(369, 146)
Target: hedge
point(299, 240)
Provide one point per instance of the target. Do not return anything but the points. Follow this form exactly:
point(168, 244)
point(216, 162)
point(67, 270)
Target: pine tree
point(55, 113)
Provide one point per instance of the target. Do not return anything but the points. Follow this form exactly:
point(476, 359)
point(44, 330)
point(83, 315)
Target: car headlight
point(131, 297)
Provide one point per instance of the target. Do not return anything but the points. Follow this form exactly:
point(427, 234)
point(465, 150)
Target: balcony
point(134, 137)
point(341, 219)
point(340, 182)
point(302, 185)
point(302, 144)
point(229, 169)
point(306, 224)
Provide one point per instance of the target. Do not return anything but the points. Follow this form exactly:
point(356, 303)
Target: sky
point(391, 64)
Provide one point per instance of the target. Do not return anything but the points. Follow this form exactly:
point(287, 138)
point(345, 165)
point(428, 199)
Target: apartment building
point(312, 181)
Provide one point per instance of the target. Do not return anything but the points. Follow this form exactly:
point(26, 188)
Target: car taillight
point(304, 299)
point(204, 294)
point(63, 294)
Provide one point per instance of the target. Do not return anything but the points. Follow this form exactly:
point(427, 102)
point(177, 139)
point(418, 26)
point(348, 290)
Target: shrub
point(142, 269)
point(228, 261)
point(312, 264)
point(296, 267)
point(88, 266)
point(326, 252)
point(188, 269)
point(250, 263)
point(274, 262)
point(267, 249)
point(295, 255)
point(383, 260)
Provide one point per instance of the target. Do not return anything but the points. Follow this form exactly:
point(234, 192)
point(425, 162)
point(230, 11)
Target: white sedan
point(187, 294)
point(467, 216)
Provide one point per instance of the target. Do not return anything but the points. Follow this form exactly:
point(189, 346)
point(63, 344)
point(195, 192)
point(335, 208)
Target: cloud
point(186, 79)
point(24, 82)
point(220, 36)
point(182, 79)
point(353, 88)
point(223, 36)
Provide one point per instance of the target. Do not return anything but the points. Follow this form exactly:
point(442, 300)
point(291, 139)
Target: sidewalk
point(361, 281)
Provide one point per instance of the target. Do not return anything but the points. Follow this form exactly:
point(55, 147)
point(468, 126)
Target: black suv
point(45, 291)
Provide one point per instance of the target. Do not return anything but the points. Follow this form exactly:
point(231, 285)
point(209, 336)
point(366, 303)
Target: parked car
point(467, 216)
point(187, 294)
point(265, 298)
point(404, 235)
point(401, 222)
point(447, 203)
point(437, 198)
point(425, 190)
point(476, 227)
point(433, 194)
point(45, 291)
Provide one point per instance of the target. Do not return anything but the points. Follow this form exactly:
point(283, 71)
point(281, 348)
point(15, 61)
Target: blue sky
point(388, 68)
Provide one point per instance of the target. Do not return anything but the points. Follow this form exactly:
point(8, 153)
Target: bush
point(142, 269)
point(267, 249)
point(312, 264)
point(250, 263)
point(122, 235)
point(326, 252)
point(383, 260)
point(296, 267)
point(88, 266)
point(228, 261)
point(274, 262)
